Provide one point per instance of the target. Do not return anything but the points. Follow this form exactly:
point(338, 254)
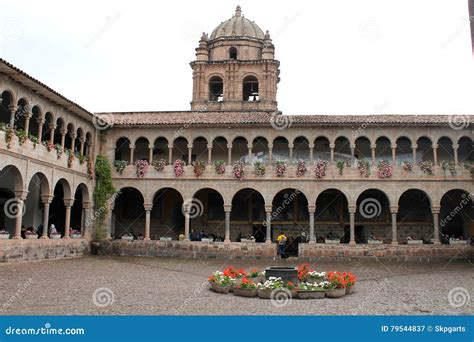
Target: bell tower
point(235, 68)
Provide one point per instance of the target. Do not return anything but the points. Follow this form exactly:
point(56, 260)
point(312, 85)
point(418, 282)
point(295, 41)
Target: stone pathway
point(169, 286)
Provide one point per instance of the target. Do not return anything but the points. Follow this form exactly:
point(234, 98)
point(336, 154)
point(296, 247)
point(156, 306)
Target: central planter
point(304, 294)
point(285, 273)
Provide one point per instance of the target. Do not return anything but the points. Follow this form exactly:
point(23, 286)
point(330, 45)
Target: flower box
point(128, 238)
point(247, 240)
point(4, 236)
point(415, 242)
point(76, 236)
point(206, 240)
point(165, 238)
point(458, 242)
point(332, 241)
point(55, 237)
point(31, 236)
point(308, 294)
point(375, 242)
point(350, 289)
point(336, 293)
point(220, 289)
point(265, 293)
point(250, 293)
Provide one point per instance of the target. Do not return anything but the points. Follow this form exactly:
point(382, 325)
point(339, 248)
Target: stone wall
point(28, 250)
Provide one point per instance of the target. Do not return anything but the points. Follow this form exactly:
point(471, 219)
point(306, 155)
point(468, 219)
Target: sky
point(337, 57)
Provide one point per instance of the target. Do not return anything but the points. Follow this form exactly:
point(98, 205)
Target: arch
point(128, 213)
point(57, 211)
point(322, 150)
point(456, 215)
point(180, 149)
point(60, 126)
point(21, 113)
point(424, 149)
point(363, 148)
point(233, 53)
point(239, 149)
point(415, 222)
point(6, 221)
point(331, 217)
point(122, 149)
point(142, 149)
point(167, 218)
point(260, 150)
point(81, 196)
point(404, 150)
point(40, 181)
point(216, 89)
point(35, 120)
point(88, 144)
point(281, 150)
point(48, 122)
point(250, 89)
point(199, 150)
point(383, 149)
point(301, 149)
point(71, 132)
point(11, 178)
point(247, 215)
point(160, 149)
point(208, 220)
point(373, 216)
point(219, 149)
point(465, 150)
point(7, 99)
point(445, 149)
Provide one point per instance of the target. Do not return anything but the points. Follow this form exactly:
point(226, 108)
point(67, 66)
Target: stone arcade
point(234, 117)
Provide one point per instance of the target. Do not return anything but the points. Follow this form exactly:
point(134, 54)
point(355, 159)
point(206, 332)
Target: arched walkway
point(128, 215)
point(207, 216)
point(331, 217)
point(166, 217)
point(247, 216)
point(414, 221)
point(456, 215)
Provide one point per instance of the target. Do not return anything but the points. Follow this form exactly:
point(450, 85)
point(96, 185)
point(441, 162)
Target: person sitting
point(52, 230)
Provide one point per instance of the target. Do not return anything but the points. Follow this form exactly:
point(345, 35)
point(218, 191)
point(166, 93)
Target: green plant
point(8, 136)
point(259, 168)
point(22, 136)
point(340, 166)
point(159, 165)
point(34, 140)
point(219, 166)
point(364, 168)
point(102, 192)
point(81, 158)
point(120, 165)
point(451, 166)
point(198, 167)
point(70, 158)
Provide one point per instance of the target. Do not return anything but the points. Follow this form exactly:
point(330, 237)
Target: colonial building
point(234, 168)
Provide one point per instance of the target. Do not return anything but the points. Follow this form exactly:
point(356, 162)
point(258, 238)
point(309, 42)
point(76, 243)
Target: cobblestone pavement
point(169, 286)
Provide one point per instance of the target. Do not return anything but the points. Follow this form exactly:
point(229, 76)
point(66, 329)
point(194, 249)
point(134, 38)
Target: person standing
point(281, 239)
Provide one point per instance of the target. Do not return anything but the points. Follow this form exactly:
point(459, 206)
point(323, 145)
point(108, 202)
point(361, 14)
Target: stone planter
point(374, 242)
point(458, 242)
point(313, 280)
point(220, 289)
point(304, 294)
point(285, 273)
point(250, 293)
point(31, 237)
point(165, 238)
point(247, 240)
point(350, 289)
point(415, 242)
point(336, 293)
point(206, 240)
point(76, 236)
point(4, 236)
point(265, 293)
point(256, 280)
point(55, 237)
point(332, 242)
point(127, 238)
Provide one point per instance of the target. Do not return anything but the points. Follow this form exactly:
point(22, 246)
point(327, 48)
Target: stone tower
point(235, 68)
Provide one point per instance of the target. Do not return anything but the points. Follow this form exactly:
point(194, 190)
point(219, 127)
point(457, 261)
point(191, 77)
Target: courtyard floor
point(169, 286)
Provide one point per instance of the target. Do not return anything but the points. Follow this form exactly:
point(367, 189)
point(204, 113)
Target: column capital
point(209, 146)
point(148, 206)
point(21, 194)
point(291, 145)
point(435, 209)
point(47, 199)
point(434, 146)
point(373, 146)
point(170, 146)
point(414, 146)
point(352, 145)
point(190, 147)
point(249, 145)
point(229, 146)
point(52, 126)
point(455, 146)
point(13, 108)
point(151, 146)
point(393, 146)
point(394, 209)
point(311, 146)
point(352, 209)
point(73, 135)
point(311, 208)
point(86, 205)
point(227, 207)
point(332, 145)
point(82, 140)
point(268, 208)
point(68, 202)
point(63, 131)
point(132, 147)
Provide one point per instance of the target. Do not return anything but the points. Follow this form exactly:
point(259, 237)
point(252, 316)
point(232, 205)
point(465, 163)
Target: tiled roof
point(200, 118)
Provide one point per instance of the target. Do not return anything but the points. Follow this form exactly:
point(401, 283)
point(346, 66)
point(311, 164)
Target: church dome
point(238, 26)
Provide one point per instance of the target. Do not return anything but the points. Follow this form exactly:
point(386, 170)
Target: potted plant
point(246, 288)
point(280, 168)
point(384, 169)
point(120, 165)
point(159, 165)
point(259, 168)
point(59, 150)
point(55, 236)
point(350, 280)
point(315, 277)
point(320, 169)
point(407, 165)
point(221, 283)
point(301, 168)
point(451, 166)
point(198, 167)
point(308, 290)
point(219, 166)
point(250, 239)
point(142, 168)
point(255, 275)
point(364, 168)
point(22, 137)
point(70, 158)
point(29, 234)
point(178, 167)
point(426, 167)
point(303, 272)
point(411, 241)
point(9, 132)
point(265, 289)
point(165, 238)
point(340, 166)
point(336, 285)
point(238, 170)
point(127, 237)
point(75, 234)
point(333, 240)
point(4, 235)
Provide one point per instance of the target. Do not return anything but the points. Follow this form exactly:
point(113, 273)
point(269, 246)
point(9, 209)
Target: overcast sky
point(337, 56)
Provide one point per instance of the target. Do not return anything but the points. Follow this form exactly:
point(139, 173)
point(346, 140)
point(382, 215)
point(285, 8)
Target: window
point(216, 89)
point(250, 89)
point(233, 53)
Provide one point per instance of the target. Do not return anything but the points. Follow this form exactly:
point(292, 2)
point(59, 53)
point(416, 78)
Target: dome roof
point(238, 26)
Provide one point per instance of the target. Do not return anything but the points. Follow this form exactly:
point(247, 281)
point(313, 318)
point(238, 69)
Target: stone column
point(414, 147)
point(132, 151)
point(20, 196)
point(40, 122)
point(311, 154)
point(435, 154)
point(150, 153)
point(13, 109)
point(27, 123)
point(82, 140)
point(352, 211)
point(209, 154)
point(73, 141)
point(170, 154)
point(352, 147)
point(268, 212)
point(148, 208)
point(85, 230)
point(435, 209)
point(227, 210)
point(332, 147)
point(47, 199)
point(68, 202)
point(455, 150)
point(290, 152)
point(110, 216)
point(186, 209)
point(229, 154)
point(270, 154)
point(249, 146)
point(311, 210)
point(63, 132)
point(394, 211)
point(52, 127)
point(372, 150)
point(394, 154)
point(190, 154)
